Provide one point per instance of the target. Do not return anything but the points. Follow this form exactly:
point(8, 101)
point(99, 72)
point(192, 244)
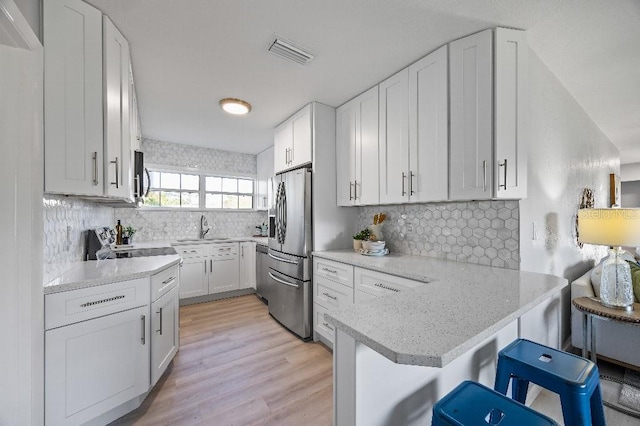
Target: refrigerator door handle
point(282, 281)
point(284, 213)
point(280, 259)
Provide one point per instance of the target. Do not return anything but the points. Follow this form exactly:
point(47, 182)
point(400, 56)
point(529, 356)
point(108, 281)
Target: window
point(189, 190)
point(228, 193)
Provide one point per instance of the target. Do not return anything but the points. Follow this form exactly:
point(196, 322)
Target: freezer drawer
point(290, 303)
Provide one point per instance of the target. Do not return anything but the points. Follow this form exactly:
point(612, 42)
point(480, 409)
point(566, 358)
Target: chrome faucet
point(204, 226)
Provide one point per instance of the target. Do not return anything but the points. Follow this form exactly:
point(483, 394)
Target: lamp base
point(616, 290)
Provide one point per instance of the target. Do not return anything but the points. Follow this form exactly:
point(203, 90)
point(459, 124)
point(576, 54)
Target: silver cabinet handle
point(484, 175)
point(355, 189)
point(280, 259)
point(97, 302)
point(326, 324)
point(411, 176)
point(386, 287)
point(160, 330)
point(117, 182)
point(94, 157)
point(331, 271)
point(505, 174)
point(282, 281)
point(241, 251)
point(144, 329)
point(404, 176)
point(330, 296)
point(350, 192)
point(211, 265)
point(168, 280)
point(205, 267)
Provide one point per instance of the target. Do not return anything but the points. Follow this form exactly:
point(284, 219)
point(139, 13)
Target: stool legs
point(597, 411)
point(576, 410)
point(519, 389)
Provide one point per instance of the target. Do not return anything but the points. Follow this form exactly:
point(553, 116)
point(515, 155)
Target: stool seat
point(473, 404)
point(575, 379)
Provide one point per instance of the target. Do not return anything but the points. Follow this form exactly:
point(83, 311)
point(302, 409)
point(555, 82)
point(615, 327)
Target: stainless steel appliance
point(140, 189)
point(262, 272)
point(290, 291)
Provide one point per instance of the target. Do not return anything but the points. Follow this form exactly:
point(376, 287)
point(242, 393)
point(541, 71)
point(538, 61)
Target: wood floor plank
point(238, 366)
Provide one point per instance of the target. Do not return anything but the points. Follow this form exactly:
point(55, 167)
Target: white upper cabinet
point(264, 168)
point(73, 128)
point(117, 133)
point(482, 165)
point(394, 138)
point(293, 141)
point(471, 91)
point(510, 102)
point(429, 128)
point(87, 103)
point(357, 150)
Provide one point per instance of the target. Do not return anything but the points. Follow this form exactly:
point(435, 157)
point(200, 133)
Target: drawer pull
point(160, 330)
point(331, 271)
point(97, 302)
point(167, 281)
point(330, 296)
point(144, 329)
point(327, 325)
point(386, 287)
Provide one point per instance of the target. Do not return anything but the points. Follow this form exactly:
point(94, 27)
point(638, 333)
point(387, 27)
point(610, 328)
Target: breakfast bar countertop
point(459, 306)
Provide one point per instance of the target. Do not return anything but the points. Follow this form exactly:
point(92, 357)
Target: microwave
point(140, 185)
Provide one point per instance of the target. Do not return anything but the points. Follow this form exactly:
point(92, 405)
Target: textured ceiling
point(189, 54)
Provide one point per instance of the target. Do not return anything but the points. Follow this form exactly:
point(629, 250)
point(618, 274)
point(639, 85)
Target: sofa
point(616, 341)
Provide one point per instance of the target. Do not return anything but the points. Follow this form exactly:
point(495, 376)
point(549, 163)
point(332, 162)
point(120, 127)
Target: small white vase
point(357, 245)
point(377, 231)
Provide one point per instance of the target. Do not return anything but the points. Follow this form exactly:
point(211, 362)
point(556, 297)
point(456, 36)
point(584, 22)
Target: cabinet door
point(301, 152)
point(282, 143)
point(224, 274)
point(117, 134)
point(248, 265)
point(73, 98)
point(366, 189)
point(165, 332)
point(394, 138)
point(429, 128)
point(94, 366)
point(346, 152)
point(264, 172)
point(511, 99)
point(194, 278)
point(471, 165)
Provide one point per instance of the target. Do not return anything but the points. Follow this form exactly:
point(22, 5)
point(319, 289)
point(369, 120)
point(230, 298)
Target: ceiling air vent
point(290, 51)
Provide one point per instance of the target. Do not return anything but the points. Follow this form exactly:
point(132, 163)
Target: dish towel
point(630, 392)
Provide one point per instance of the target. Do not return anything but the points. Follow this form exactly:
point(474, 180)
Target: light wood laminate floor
point(238, 366)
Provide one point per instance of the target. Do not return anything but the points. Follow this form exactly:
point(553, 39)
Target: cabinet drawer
point(192, 251)
point(79, 305)
point(330, 294)
point(379, 284)
point(164, 281)
point(334, 271)
point(320, 325)
point(224, 249)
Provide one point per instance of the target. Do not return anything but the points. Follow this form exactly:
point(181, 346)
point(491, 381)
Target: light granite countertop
point(459, 306)
point(99, 272)
point(218, 240)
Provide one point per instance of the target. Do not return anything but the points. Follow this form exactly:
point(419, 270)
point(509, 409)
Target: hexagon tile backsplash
point(481, 232)
point(66, 221)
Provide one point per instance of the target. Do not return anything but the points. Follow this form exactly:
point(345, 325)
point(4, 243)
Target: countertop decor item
point(612, 227)
point(376, 228)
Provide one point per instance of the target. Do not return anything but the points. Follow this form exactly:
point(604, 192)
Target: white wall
point(21, 291)
point(568, 153)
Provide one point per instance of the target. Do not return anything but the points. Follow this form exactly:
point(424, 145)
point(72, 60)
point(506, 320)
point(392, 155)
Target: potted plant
point(127, 235)
point(359, 237)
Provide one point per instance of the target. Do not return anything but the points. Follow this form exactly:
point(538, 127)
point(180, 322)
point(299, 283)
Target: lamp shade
point(609, 227)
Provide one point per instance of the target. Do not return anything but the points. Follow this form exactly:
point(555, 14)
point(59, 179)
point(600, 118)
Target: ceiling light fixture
point(235, 106)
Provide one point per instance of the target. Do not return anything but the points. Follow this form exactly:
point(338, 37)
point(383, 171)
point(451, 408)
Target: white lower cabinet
point(194, 277)
point(224, 268)
point(165, 329)
point(94, 366)
point(370, 284)
point(248, 265)
point(332, 289)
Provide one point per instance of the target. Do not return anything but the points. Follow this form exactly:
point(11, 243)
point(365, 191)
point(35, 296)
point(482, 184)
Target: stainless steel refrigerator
point(290, 291)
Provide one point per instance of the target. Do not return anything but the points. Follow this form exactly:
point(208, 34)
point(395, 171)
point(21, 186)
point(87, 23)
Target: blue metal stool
point(473, 404)
point(574, 378)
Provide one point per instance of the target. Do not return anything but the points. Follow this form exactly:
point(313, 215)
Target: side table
point(590, 308)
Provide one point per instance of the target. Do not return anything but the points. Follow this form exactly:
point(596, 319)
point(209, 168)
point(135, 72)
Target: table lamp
point(612, 227)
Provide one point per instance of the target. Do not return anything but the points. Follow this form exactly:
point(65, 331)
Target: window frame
point(202, 175)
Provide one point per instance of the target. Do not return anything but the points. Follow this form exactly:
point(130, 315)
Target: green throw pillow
point(635, 279)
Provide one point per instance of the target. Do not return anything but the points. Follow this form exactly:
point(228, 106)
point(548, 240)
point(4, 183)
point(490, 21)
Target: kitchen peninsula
point(395, 356)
